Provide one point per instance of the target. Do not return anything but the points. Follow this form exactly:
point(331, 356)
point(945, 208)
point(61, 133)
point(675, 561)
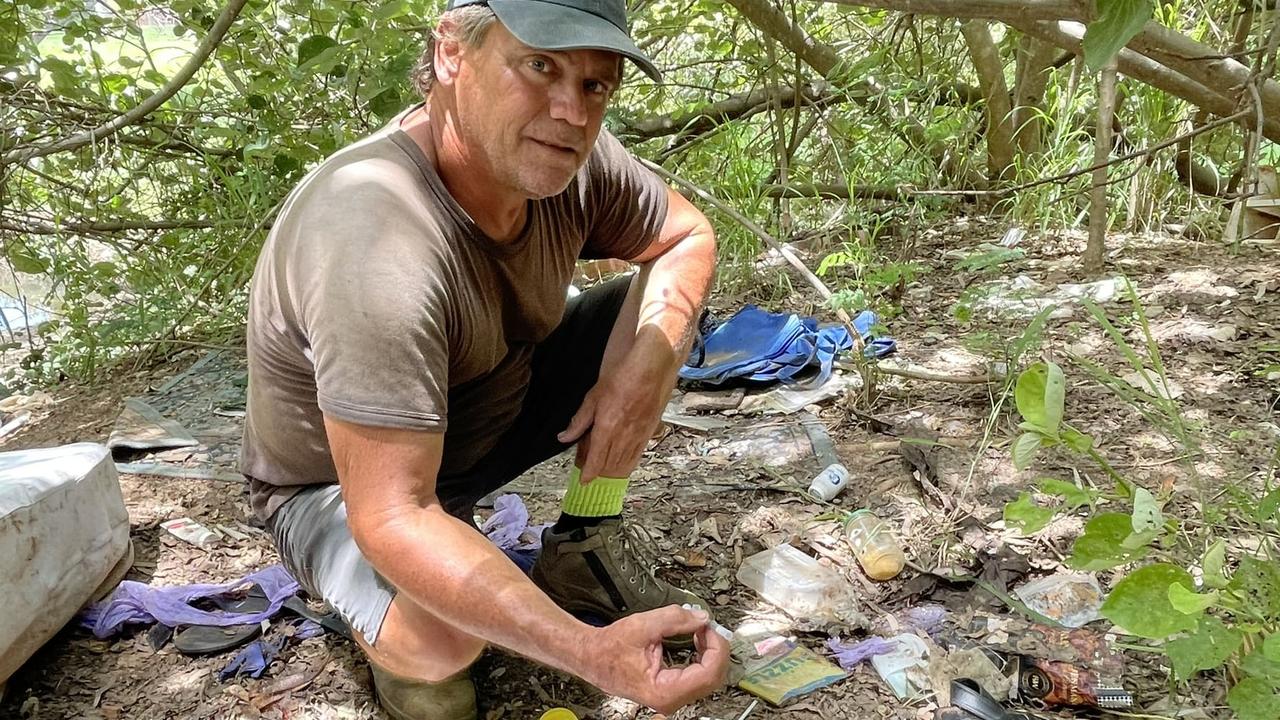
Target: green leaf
point(1257, 584)
point(24, 261)
point(1271, 648)
point(1025, 449)
point(1073, 495)
point(1039, 396)
point(1140, 602)
point(1268, 506)
point(1254, 699)
point(392, 9)
point(1189, 602)
point(1205, 649)
point(312, 46)
point(1214, 560)
point(1026, 515)
point(1257, 664)
point(1102, 546)
point(1146, 512)
point(1118, 21)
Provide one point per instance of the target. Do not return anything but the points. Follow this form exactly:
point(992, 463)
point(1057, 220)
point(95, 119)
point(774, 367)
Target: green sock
point(584, 503)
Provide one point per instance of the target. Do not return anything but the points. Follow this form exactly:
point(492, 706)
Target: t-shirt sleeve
point(626, 204)
point(373, 305)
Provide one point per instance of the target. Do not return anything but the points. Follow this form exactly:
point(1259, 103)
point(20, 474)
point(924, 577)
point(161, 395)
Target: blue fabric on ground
point(139, 603)
point(761, 346)
point(252, 660)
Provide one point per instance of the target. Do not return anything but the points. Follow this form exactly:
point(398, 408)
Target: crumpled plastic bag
point(850, 654)
point(139, 603)
point(508, 526)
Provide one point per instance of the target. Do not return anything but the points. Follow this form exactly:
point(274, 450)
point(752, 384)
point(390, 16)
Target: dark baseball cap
point(569, 25)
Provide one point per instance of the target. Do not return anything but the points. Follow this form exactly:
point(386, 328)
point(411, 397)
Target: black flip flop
point(211, 639)
point(970, 702)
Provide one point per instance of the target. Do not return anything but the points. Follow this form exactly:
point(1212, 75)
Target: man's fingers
point(675, 620)
point(580, 422)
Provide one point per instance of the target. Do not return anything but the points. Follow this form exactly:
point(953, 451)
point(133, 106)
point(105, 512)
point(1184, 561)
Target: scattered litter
point(508, 526)
point(788, 399)
point(1024, 297)
point(874, 544)
point(768, 445)
point(710, 400)
point(1148, 381)
point(1012, 237)
point(233, 533)
point(786, 671)
point(1072, 599)
point(1190, 332)
point(12, 424)
point(694, 422)
point(829, 483)
point(142, 427)
point(1051, 683)
point(927, 619)
point(190, 531)
point(973, 664)
point(904, 668)
point(178, 471)
point(850, 654)
point(795, 582)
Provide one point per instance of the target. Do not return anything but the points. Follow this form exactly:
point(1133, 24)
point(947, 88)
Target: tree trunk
point(990, 69)
point(1095, 252)
point(1031, 77)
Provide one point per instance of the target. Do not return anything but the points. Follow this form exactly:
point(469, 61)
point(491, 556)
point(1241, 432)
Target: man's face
point(531, 115)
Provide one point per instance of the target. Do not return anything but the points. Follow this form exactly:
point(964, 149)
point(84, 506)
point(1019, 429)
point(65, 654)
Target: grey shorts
point(310, 529)
point(316, 547)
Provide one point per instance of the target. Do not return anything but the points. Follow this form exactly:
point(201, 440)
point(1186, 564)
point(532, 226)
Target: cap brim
point(548, 26)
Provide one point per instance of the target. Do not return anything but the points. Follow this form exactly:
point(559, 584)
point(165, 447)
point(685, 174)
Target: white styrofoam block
point(63, 527)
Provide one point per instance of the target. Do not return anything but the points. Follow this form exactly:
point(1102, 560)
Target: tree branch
point(99, 228)
point(977, 9)
point(835, 191)
point(144, 108)
point(736, 107)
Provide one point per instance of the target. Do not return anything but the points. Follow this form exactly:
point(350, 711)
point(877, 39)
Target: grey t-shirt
point(377, 300)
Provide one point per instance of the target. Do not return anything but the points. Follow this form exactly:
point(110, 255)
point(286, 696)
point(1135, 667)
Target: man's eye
point(595, 87)
point(538, 65)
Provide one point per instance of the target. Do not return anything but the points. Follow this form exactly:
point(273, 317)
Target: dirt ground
point(699, 505)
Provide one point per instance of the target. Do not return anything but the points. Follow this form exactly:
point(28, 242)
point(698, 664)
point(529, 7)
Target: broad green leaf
point(1271, 648)
point(391, 9)
point(1214, 560)
point(1205, 649)
point(1254, 699)
point(24, 261)
point(1257, 584)
point(1102, 546)
point(1073, 496)
point(1026, 515)
point(312, 46)
point(1146, 512)
point(1025, 449)
point(1257, 664)
point(1140, 602)
point(1118, 21)
point(1190, 602)
point(1268, 506)
point(1039, 396)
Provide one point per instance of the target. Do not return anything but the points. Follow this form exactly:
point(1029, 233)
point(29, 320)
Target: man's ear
point(448, 54)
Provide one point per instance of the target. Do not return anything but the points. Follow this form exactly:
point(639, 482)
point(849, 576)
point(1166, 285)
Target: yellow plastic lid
point(558, 714)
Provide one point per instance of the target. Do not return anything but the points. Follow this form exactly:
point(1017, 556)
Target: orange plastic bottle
point(875, 545)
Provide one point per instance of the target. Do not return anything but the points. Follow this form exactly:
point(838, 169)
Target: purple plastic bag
point(509, 521)
point(139, 603)
point(850, 654)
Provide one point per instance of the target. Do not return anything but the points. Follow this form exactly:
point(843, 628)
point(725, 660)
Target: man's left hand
point(619, 414)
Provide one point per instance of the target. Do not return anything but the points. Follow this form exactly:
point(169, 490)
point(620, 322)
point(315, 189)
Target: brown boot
point(453, 698)
point(593, 571)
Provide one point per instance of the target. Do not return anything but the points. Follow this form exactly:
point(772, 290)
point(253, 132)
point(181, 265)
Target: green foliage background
point(147, 237)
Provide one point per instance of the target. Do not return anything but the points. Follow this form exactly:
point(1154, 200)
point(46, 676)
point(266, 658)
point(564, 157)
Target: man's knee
point(414, 643)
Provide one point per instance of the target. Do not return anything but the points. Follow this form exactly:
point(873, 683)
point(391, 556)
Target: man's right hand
point(626, 659)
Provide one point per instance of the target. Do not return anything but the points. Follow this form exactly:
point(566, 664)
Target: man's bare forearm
point(676, 284)
point(449, 569)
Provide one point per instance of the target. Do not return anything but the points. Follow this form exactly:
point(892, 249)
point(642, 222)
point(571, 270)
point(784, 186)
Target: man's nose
point(569, 103)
